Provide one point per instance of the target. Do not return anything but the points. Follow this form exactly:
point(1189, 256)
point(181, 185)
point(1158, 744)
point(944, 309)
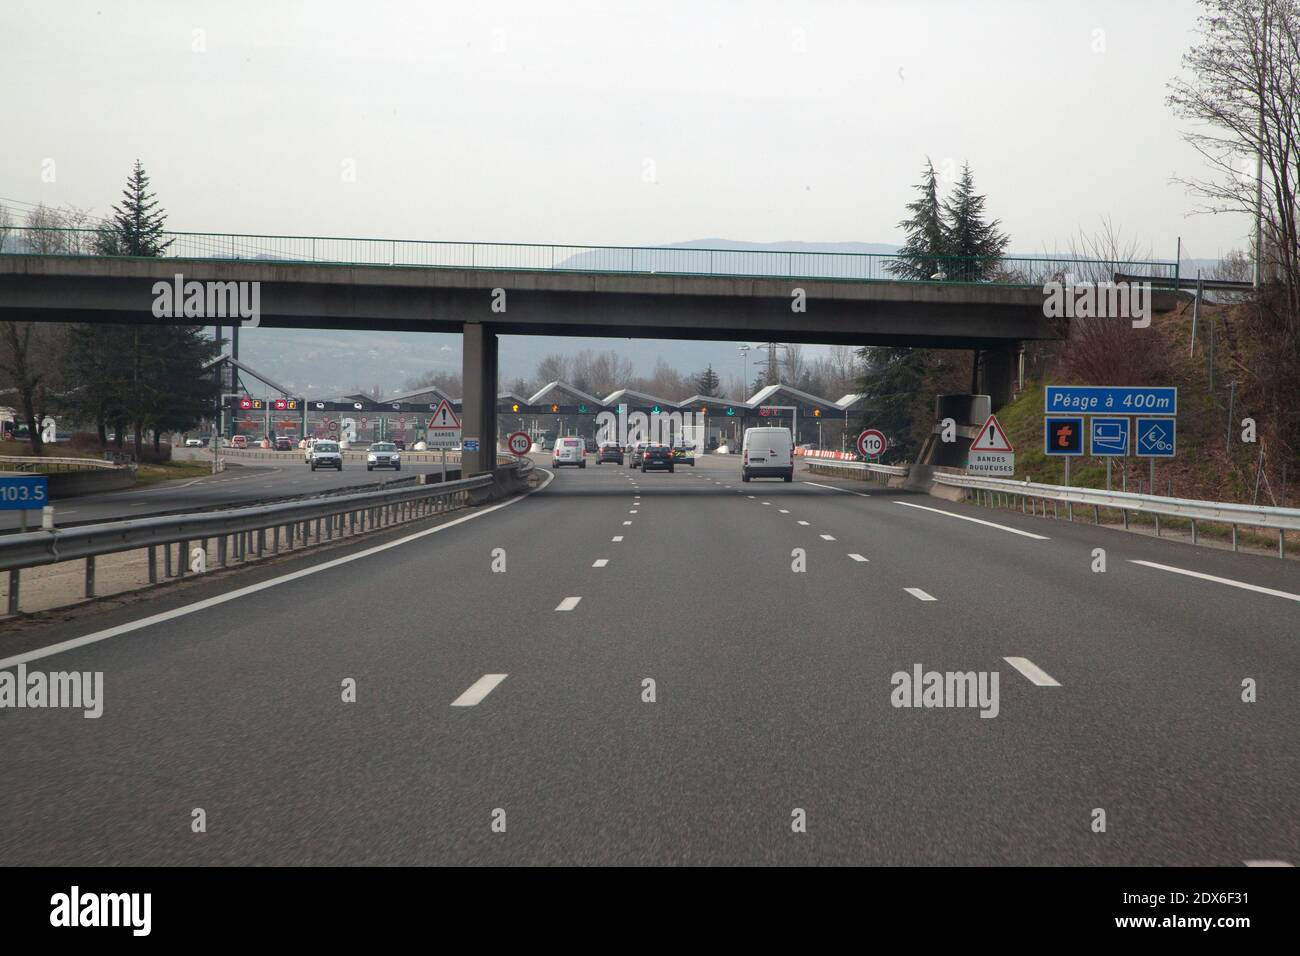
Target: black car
point(610, 451)
point(656, 456)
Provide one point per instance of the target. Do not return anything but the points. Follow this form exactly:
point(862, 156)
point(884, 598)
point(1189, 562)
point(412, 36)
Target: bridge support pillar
point(478, 415)
point(1000, 367)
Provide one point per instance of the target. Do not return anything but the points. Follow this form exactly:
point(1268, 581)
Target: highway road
point(240, 483)
point(517, 697)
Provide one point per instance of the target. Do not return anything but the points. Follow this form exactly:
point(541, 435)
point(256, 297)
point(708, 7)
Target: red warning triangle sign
point(991, 437)
point(444, 416)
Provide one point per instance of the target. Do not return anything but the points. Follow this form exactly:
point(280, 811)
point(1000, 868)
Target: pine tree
point(891, 384)
point(707, 382)
point(184, 393)
point(975, 245)
point(922, 255)
point(136, 226)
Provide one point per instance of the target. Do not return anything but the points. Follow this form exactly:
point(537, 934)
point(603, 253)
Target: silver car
point(383, 454)
point(325, 454)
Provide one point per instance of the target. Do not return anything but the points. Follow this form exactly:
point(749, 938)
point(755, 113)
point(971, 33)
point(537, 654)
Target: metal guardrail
point(896, 470)
point(1126, 502)
point(641, 260)
point(241, 531)
point(32, 463)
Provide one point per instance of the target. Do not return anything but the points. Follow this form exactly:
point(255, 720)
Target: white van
point(569, 451)
point(767, 453)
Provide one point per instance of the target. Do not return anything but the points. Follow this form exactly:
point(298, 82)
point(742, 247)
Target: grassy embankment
point(1211, 463)
point(145, 474)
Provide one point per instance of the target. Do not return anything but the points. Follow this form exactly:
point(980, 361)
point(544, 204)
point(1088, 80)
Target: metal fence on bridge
point(637, 260)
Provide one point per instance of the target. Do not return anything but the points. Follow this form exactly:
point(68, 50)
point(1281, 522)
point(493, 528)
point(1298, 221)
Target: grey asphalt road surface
point(240, 483)
point(627, 668)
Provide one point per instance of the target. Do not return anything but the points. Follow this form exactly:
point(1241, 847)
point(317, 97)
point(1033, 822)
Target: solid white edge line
point(920, 595)
point(478, 690)
point(1032, 671)
point(1217, 580)
point(991, 524)
point(1268, 863)
point(238, 593)
point(846, 491)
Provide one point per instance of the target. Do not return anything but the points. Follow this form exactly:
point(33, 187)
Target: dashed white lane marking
point(991, 524)
point(828, 537)
point(600, 562)
point(1268, 863)
point(616, 538)
point(1031, 670)
point(238, 593)
point(784, 511)
point(920, 595)
point(767, 502)
point(750, 497)
point(804, 523)
point(1228, 581)
point(632, 512)
point(858, 557)
point(478, 690)
point(568, 604)
point(627, 522)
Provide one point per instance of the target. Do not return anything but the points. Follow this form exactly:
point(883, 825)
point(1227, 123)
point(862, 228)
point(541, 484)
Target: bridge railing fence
point(628, 260)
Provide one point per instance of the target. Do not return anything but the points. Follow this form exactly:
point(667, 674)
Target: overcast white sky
point(536, 121)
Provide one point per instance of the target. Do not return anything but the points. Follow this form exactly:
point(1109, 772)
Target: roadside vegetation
point(1239, 375)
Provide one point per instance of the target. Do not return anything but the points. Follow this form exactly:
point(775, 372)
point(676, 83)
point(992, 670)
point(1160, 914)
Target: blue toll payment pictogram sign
point(1156, 437)
point(1063, 436)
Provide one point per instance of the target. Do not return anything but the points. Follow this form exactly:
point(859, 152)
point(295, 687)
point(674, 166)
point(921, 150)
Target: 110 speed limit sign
point(872, 443)
point(519, 443)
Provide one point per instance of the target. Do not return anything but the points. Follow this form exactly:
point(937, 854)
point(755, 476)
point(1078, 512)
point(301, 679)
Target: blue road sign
point(1156, 437)
point(1111, 399)
point(24, 493)
point(1109, 436)
point(471, 444)
point(1063, 436)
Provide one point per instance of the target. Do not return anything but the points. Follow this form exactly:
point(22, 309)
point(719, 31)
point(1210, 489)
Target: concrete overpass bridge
point(485, 290)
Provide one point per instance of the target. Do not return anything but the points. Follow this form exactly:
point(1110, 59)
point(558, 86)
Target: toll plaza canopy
point(561, 407)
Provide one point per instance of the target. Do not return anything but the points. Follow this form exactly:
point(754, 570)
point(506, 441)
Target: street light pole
point(1259, 171)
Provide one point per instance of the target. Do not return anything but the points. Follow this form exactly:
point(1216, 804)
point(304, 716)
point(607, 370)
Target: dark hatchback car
point(282, 443)
point(656, 456)
point(610, 451)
